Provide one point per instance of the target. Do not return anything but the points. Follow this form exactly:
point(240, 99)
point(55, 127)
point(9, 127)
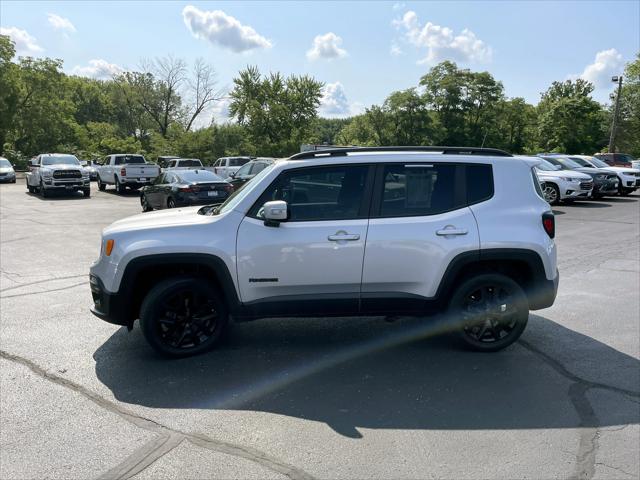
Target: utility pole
point(612, 138)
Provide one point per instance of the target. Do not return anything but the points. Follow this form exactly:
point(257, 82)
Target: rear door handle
point(450, 230)
point(343, 236)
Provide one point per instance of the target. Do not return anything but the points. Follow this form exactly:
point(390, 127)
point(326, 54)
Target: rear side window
point(237, 162)
point(417, 190)
point(479, 183)
point(536, 183)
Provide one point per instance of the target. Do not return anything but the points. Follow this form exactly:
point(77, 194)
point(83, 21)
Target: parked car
point(615, 159)
point(628, 178)
point(604, 182)
point(91, 167)
point(225, 166)
point(248, 171)
point(126, 170)
point(184, 187)
point(7, 173)
point(50, 172)
point(562, 185)
point(466, 232)
point(185, 164)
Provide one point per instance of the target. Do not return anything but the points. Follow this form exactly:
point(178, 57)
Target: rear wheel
point(491, 312)
point(171, 203)
point(146, 207)
point(86, 192)
point(120, 188)
point(183, 316)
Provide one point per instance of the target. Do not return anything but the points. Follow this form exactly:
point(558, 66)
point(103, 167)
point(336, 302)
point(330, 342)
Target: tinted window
point(199, 176)
point(414, 190)
point(258, 167)
point(244, 170)
point(129, 159)
point(190, 163)
point(324, 193)
point(237, 162)
point(479, 183)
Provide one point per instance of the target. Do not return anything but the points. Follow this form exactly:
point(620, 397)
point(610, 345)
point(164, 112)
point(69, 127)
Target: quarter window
point(479, 183)
point(324, 193)
point(416, 190)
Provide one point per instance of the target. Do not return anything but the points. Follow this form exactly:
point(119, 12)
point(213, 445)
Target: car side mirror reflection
point(275, 212)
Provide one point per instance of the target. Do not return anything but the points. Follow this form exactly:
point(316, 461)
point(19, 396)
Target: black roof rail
point(337, 152)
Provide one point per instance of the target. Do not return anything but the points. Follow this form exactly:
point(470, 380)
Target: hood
point(622, 169)
point(175, 217)
point(6, 169)
point(563, 174)
point(63, 166)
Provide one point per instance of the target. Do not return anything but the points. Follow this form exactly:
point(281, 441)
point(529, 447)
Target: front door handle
point(451, 230)
point(343, 236)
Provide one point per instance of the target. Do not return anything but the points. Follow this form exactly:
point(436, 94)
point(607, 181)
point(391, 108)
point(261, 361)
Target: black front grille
point(612, 177)
point(67, 174)
point(586, 185)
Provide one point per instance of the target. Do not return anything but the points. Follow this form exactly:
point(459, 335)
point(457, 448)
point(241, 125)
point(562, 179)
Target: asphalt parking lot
point(317, 398)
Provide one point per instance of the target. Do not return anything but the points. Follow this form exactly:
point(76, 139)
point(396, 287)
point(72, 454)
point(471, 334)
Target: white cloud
point(398, 6)
point(98, 68)
point(335, 104)
point(606, 64)
point(326, 46)
point(442, 43)
point(25, 43)
point(220, 110)
point(60, 23)
point(395, 50)
point(221, 29)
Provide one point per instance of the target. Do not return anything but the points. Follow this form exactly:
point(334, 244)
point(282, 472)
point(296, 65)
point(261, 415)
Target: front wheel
point(183, 316)
point(624, 192)
point(86, 192)
point(101, 186)
point(551, 194)
point(491, 312)
point(43, 191)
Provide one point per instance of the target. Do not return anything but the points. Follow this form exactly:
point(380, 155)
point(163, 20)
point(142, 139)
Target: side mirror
point(275, 212)
point(232, 174)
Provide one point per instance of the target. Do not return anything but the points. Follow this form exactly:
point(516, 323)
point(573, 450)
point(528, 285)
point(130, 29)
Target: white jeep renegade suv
point(361, 231)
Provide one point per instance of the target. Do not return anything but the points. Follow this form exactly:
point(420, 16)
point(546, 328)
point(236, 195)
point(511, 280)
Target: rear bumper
point(543, 295)
point(109, 307)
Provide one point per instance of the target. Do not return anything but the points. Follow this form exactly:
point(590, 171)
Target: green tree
point(569, 120)
point(278, 112)
point(628, 131)
point(8, 88)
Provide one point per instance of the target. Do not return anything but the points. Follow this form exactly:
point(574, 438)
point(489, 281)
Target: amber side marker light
point(109, 247)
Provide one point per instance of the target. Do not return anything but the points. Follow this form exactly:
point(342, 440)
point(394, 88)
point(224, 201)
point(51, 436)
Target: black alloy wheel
point(491, 312)
point(183, 316)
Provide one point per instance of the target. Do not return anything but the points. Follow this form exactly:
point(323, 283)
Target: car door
point(314, 259)
point(152, 191)
point(419, 222)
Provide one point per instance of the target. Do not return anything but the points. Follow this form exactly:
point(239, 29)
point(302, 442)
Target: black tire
point(120, 188)
point(86, 192)
point(29, 187)
point(101, 186)
point(43, 191)
point(13, 181)
point(490, 312)
point(624, 192)
point(171, 203)
point(551, 194)
point(174, 307)
point(146, 207)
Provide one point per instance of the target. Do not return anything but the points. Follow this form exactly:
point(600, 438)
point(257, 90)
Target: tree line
point(162, 109)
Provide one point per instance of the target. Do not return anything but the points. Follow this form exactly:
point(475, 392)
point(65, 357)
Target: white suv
point(362, 231)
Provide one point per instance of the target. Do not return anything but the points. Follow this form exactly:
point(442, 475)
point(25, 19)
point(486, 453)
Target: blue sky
point(361, 50)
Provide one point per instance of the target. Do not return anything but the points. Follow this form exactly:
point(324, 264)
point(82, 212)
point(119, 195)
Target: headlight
point(46, 173)
point(573, 179)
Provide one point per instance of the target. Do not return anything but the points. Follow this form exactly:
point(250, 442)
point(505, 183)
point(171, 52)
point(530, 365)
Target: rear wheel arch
point(142, 273)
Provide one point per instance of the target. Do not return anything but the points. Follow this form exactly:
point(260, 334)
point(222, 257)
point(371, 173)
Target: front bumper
point(109, 307)
point(137, 182)
point(75, 184)
point(602, 187)
point(8, 177)
point(570, 190)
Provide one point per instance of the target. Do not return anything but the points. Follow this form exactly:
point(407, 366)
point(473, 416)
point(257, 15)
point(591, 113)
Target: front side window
point(322, 193)
point(416, 190)
point(258, 167)
point(244, 170)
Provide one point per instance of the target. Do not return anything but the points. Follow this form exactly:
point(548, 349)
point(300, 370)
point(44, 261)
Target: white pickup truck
point(126, 170)
point(225, 166)
point(186, 164)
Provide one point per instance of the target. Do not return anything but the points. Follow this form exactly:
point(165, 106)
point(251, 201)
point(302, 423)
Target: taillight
point(228, 188)
point(123, 172)
point(549, 224)
point(189, 189)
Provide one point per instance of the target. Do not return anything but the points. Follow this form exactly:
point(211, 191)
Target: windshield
point(190, 163)
point(562, 162)
point(546, 166)
point(581, 161)
point(599, 163)
point(4, 162)
point(129, 159)
point(237, 196)
point(199, 176)
point(60, 160)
